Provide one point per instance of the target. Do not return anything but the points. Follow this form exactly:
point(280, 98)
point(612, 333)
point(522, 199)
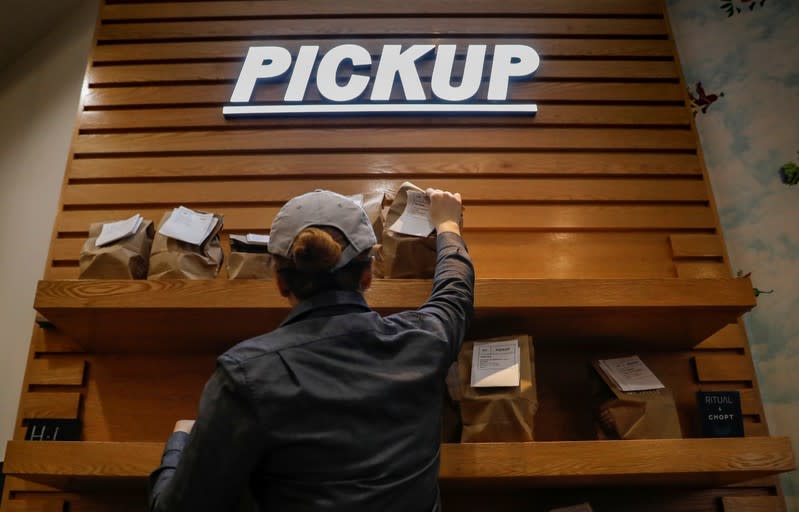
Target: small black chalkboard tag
point(53, 430)
point(720, 413)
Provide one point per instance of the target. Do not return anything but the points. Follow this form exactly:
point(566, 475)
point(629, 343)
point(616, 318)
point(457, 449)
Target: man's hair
point(314, 254)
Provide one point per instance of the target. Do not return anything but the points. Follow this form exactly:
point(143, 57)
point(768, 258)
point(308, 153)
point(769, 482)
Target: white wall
point(39, 95)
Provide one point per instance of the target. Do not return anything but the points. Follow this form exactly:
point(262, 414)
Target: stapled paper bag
point(404, 256)
point(123, 259)
point(498, 414)
point(248, 261)
point(373, 203)
point(632, 415)
point(175, 259)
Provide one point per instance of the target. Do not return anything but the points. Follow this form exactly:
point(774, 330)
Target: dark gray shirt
point(337, 409)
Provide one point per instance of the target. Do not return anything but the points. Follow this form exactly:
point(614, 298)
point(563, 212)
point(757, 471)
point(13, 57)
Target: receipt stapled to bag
point(495, 364)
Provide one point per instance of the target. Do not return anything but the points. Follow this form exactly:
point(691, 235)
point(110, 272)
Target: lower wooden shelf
point(662, 462)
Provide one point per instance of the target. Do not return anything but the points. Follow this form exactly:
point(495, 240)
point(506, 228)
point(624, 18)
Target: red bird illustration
point(702, 100)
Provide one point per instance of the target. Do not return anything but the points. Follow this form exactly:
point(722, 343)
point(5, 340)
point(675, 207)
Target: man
point(338, 408)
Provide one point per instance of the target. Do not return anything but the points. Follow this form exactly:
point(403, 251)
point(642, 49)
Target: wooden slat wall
point(609, 162)
point(605, 181)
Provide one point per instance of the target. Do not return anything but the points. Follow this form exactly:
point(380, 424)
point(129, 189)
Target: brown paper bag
point(175, 259)
point(124, 259)
point(248, 265)
point(498, 414)
point(403, 256)
point(248, 261)
point(373, 203)
point(632, 415)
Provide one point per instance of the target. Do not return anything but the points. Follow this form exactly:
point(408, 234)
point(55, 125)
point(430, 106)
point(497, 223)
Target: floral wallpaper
point(741, 61)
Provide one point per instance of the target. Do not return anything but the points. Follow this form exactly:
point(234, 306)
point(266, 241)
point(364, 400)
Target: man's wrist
point(448, 226)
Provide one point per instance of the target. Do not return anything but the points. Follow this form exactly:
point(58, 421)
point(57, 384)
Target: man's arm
point(209, 469)
point(451, 302)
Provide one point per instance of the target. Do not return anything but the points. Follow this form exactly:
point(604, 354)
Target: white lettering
point(510, 60)
point(711, 399)
point(472, 72)
point(261, 62)
point(328, 69)
point(301, 73)
point(39, 436)
point(339, 87)
point(394, 62)
point(720, 417)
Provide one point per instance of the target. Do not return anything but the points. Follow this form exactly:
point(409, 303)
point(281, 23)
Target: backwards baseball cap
point(322, 208)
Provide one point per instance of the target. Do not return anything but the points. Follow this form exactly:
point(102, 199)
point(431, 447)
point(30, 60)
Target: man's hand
point(445, 210)
point(183, 426)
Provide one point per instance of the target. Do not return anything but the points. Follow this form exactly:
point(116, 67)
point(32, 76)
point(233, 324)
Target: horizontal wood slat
point(51, 341)
point(730, 337)
point(56, 372)
point(724, 368)
point(753, 504)
point(211, 117)
point(56, 273)
point(702, 270)
point(483, 217)
point(50, 405)
point(750, 402)
point(229, 71)
point(166, 10)
point(546, 48)
point(642, 462)
point(592, 463)
point(82, 459)
point(556, 255)
point(384, 138)
point(472, 190)
point(696, 246)
point(526, 91)
point(21, 485)
point(382, 163)
point(34, 505)
point(379, 27)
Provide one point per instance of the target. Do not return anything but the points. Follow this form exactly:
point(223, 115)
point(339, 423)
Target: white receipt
point(415, 219)
point(495, 364)
point(189, 226)
point(630, 374)
point(255, 239)
point(113, 231)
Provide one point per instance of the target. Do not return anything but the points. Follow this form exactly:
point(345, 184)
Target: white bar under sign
point(250, 110)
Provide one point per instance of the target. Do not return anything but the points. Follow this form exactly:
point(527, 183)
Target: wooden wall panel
point(56, 372)
point(50, 405)
point(117, 10)
point(434, 164)
point(606, 181)
point(655, 49)
point(752, 504)
point(151, 134)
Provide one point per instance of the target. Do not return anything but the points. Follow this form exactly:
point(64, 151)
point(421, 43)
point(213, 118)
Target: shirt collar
point(327, 299)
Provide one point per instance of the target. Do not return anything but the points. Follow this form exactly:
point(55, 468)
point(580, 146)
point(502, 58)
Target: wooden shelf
point(669, 462)
point(167, 315)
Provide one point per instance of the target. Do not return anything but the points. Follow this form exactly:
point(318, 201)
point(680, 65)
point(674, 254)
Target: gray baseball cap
point(322, 208)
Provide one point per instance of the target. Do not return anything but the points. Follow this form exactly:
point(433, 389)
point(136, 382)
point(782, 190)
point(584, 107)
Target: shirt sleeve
point(209, 469)
point(450, 306)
